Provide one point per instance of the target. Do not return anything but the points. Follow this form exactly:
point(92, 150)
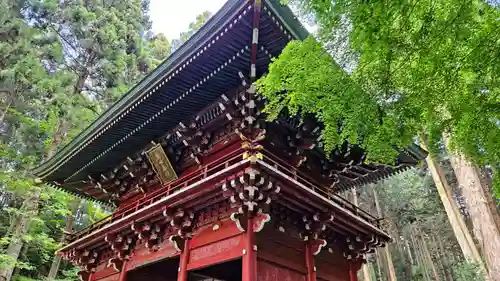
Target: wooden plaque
point(161, 164)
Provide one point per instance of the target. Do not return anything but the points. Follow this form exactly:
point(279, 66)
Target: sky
point(171, 17)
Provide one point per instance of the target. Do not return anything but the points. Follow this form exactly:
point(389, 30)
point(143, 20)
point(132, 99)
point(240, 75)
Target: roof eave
point(134, 94)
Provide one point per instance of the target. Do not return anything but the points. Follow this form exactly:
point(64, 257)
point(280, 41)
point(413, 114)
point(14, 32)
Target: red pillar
point(310, 264)
point(249, 270)
point(123, 272)
point(183, 273)
point(353, 276)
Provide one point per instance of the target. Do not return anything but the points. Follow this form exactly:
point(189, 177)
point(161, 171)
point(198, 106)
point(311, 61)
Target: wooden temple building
point(205, 187)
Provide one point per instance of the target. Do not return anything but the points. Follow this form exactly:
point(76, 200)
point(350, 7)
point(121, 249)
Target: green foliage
point(61, 64)
point(201, 19)
point(467, 272)
point(414, 214)
point(69, 275)
point(407, 68)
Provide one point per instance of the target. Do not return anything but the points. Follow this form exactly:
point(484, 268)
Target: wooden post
point(310, 264)
point(183, 273)
point(123, 272)
point(249, 270)
point(364, 267)
point(352, 273)
point(387, 254)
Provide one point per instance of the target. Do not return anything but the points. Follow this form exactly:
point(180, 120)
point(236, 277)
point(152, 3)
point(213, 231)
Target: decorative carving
point(259, 220)
point(315, 225)
point(317, 245)
point(121, 247)
point(132, 175)
point(251, 193)
point(359, 246)
point(214, 211)
point(314, 228)
point(85, 259)
point(182, 223)
point(150, 234)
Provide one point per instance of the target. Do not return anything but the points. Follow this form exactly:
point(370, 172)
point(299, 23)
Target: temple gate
point(205, 187)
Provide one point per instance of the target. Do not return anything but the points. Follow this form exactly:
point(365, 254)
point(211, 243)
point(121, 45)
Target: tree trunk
point(444, 256)
point(428, 258)
point(407, 245)
point(22, 255)
point(486, 184)
point(391, 272)
point(4, 112)
point(483, 221)
point(366, 270)
point(56, 262)
point(29, 209)
point(416, 249)
point(379, 265)
point(464, 238)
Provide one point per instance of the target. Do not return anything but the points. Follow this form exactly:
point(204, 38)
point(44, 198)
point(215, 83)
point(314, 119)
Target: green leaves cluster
point(61, 64)
point(409, 68)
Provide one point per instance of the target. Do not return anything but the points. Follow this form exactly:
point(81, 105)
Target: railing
point(167, 189)
point(313, 185)
point(214, 167)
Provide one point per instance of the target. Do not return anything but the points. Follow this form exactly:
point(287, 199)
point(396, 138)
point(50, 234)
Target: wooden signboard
point(161, 164)
point(143, 256)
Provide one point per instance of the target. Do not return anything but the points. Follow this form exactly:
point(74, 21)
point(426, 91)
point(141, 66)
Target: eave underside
point(223, 194)
point(190, 79)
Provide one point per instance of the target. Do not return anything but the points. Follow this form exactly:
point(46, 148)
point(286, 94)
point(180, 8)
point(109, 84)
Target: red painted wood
point(143, 256)
point(212, 233)
point(272, 272)
point(114, 277)
point(123, 273)
point(183, 270)
point(249, 270)
point(310, 264)
point(220, 251)
point(282, 249)
point(352, 273)
point(331, 266)
point(102, 271)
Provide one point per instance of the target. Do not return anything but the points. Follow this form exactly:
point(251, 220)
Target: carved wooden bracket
point(150, 234)
point(121, 247)
point(317, 245)
point(259, 220)
point(359, 246)
point(182, 222)
point(86, 260)
point(315, 225)
point(251, 192)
